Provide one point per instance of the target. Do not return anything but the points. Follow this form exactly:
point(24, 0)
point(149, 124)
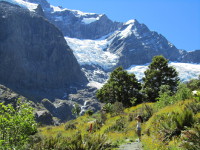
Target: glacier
point(186, 71)
point(93, 52)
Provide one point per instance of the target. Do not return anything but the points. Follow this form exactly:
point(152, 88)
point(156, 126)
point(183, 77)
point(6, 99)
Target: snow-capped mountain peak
point(130, 22)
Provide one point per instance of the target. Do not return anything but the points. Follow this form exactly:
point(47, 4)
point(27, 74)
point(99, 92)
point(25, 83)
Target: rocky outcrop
point(191, 57)
point(44, 117)
point(34, 55)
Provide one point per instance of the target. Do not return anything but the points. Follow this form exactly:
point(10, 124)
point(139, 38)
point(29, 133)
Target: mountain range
point(61, 54)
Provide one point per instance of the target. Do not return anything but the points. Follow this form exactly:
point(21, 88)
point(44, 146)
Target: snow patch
point(77, 13)
point(130, 22)
point(95, 84)
point(23, 4)
point(90, 20)
point(127, 32)
point(57, 8)
point(130, 29)
point(58, 18)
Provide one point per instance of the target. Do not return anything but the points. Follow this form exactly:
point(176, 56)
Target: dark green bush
point(194, 106)
point(172, 123)
point(190, 139)
point(70, 126)
point(89, 112)
point(120, 125)
point(108, 108)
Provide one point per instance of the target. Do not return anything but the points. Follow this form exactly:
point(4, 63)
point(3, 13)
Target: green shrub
point(183, 93)
point(76, 110)
point(148, 112)
point(190, 139)
point(166, 98)
point(108, 108)
point(89, 112)
point(74, 142)
point(118, 108)
point(103, 117)
point(194, 84)
point(172, 123)
point(70, 126)
point(119, 125)
point(16, 125)
point(194, 106)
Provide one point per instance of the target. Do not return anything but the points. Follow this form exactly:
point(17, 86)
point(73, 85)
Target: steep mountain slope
point(34, 55)
point(76, 24)
point(133, 42)
point(136, 44)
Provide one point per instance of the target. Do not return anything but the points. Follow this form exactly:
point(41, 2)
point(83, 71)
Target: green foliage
point(108, 108)
point(118, 108)
point(114, 109)
point(194, 84)
point(76, 110)
point(70, 126)
point(103, 117)
point(166, 98)
point(148, 111)
point(16, 125)
point(75, 142)
point(119, 125)
point(183, 93)
point(121, 87)
point(190, 139)
point(89, 112)
point(194, 106)
point(157, 74)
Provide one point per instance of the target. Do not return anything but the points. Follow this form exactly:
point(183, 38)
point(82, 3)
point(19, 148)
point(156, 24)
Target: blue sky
point(177, 20)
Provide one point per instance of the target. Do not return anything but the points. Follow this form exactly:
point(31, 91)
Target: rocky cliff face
point(33, 53)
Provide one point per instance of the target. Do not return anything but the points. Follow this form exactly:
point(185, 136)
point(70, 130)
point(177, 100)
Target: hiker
point(138, 127)
point(90, 129)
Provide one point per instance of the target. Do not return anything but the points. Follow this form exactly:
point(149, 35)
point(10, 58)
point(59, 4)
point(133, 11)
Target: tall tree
point(121, 87)
point(159, 73)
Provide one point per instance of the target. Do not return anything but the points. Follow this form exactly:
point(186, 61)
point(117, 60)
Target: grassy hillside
point(176, 126)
